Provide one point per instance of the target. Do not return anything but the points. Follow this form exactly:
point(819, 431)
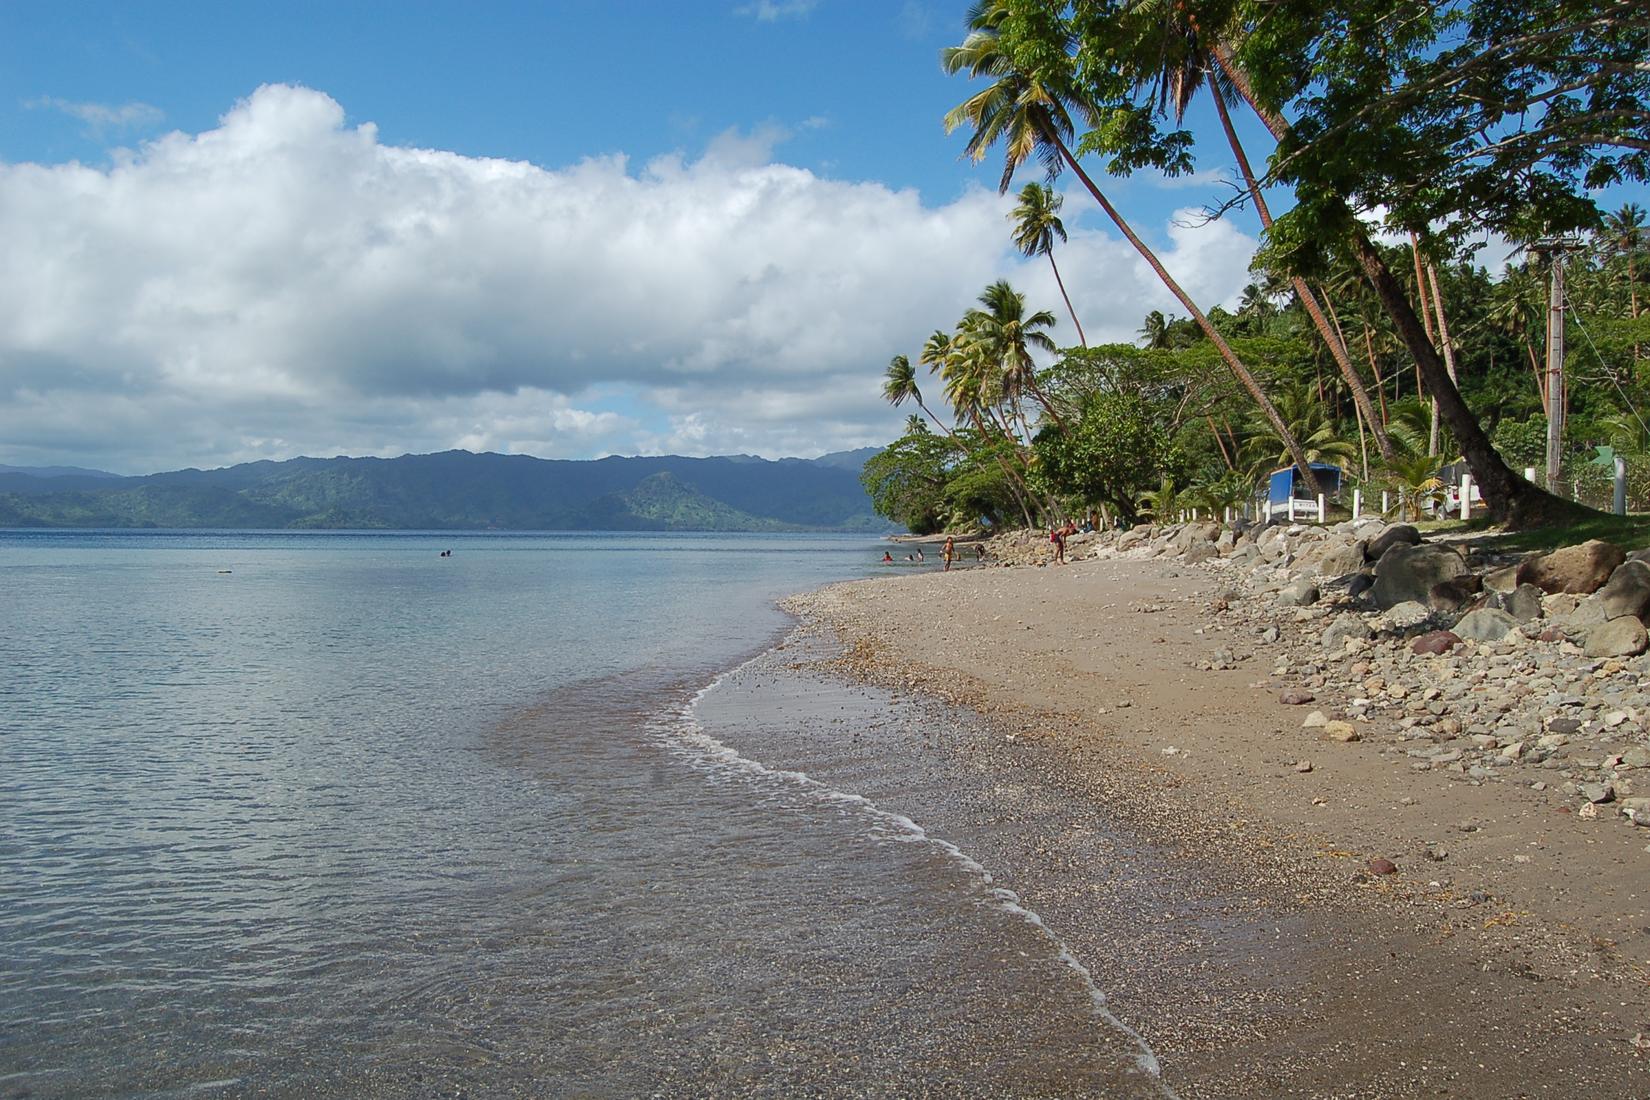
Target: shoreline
point(1506, 957)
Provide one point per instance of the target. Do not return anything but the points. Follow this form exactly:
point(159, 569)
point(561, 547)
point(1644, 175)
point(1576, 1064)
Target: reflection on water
point(352, 819)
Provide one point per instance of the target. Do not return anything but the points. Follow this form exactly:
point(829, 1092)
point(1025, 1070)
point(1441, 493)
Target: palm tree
point(1004, 335)
point(1624, 236)
point(1036, 224)
point(1033, 118)
point(1155, 332)
point(900, 383)
point(1310, 421)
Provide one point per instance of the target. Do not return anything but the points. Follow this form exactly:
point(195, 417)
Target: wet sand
point(1220, 896)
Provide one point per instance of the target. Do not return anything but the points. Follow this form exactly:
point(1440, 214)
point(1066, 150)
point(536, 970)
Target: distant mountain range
point(458, 490)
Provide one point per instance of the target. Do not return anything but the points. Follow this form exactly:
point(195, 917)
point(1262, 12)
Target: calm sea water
point(330, 815)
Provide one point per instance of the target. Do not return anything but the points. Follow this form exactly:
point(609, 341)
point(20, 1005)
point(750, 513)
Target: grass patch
point(1629, 532)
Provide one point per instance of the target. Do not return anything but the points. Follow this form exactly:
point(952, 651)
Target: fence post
point(1385, 502)
point(1621, 486)
point(1357, 503)
point(1323, 514)
point(1291, 507)
point(1466, 496)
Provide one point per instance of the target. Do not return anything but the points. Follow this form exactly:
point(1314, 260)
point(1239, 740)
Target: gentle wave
point(681, 732)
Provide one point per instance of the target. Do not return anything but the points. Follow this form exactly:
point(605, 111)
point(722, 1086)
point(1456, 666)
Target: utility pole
point(1555, 248)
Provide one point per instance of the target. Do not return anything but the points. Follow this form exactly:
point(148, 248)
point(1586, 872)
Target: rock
point(1316, 720)
point(1303, 766)
point(1453, 595)
point(1588, 614)
point(1341, 560)
point(1406, 615)
point(1194, 533)
point(1344, 627)
point(1485, 625)
point(1359, 584)
point(1295, 697)
point(1627, 592)
point(1407, 573)
point(1522, 603)
point(1622, 637)
point(1200, 552)
point(1399, 534)
point(1636, 757)
point(1382, 866)
point(1243, 554)
point(1435, 642)
point(1580, 569)
point(1598, 792)
point(1502, 580)
point(1344, 732)
point(1299, 593)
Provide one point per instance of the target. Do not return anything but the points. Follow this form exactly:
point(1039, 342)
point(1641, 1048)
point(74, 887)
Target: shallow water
point(328, 815)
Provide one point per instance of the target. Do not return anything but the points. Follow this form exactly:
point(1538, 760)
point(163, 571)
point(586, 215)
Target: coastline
point(1506, 957)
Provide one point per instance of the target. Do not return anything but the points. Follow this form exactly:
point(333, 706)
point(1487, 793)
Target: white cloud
point(101, 117)
point(769, 11)
point(287, 284)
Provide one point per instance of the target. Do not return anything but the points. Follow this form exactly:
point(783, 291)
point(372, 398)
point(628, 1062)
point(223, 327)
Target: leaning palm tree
point(900, 384)
point(1033, 118)
point(1036, 224)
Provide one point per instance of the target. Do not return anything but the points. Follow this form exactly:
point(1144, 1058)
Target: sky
point(568, 229)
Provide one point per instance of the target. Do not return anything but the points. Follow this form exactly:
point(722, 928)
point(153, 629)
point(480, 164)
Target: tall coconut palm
point(961, 370)
point(1005, 335)
point(1155, 332)
point(900, 384)
point(1173, 62)
point(1036, 223)
point(1033, 118)
point(1624, 235)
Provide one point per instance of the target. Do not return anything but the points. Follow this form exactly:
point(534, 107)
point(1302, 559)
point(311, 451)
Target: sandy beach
point(1131, 760)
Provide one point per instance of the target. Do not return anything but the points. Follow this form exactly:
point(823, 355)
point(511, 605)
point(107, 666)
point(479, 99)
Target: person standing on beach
point(950, 552)
point(1057, 535)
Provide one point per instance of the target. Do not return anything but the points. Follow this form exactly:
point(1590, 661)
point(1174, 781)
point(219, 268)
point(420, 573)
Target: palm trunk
point(1203, 322)
point(1081, 339)
point(1016, 487)
point(937, 421)
point(1221, 443)
point(1375, 371)
point(1511, 500)
point(1443, 327)
point(1336, 344)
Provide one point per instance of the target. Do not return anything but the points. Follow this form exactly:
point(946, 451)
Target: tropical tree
point(1036, 223)
point(900, 384)
point(1003, 335)
point(1029, 111)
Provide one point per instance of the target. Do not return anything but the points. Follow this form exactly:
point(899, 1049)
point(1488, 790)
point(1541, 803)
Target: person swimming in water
point(886, 556)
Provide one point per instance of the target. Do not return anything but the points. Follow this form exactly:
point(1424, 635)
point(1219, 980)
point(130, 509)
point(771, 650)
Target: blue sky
point(241, 231)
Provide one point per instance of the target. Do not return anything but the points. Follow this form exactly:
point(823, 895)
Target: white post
point(1466, 496)
point(1291, 507)
point(1194, 515)
point(1357, 503)
point(1227, 515)
point(1385, 501)
point(1529, 474)
point(1323, 516)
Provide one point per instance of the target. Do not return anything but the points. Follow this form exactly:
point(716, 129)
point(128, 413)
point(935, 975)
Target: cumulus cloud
point(285, 283)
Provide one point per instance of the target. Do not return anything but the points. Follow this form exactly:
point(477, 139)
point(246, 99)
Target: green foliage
point(907, 481)
point(1112, 453)
point(1522, 443)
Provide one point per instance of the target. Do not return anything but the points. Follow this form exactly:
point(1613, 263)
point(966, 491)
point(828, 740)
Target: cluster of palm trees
point(989, 375)
point(1159, 56)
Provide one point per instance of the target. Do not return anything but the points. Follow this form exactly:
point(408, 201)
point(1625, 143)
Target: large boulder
point(1627, 592)
point(1199, 552)
point(1581, 569)
point(1522, 603)
point(1194, 533)
point(1623, 637)
point(1340, 560)
point(1399, 534)
point(1407, 573)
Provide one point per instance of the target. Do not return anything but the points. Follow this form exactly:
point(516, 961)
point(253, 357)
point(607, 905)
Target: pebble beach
point(1392, 838)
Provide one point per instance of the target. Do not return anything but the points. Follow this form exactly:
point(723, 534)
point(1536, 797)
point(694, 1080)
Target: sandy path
point(1514, 965)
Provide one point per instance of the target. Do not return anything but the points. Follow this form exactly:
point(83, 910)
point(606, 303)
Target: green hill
point(460, 490)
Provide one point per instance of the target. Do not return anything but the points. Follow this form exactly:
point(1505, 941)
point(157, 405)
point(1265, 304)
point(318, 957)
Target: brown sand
point(1514, 965)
